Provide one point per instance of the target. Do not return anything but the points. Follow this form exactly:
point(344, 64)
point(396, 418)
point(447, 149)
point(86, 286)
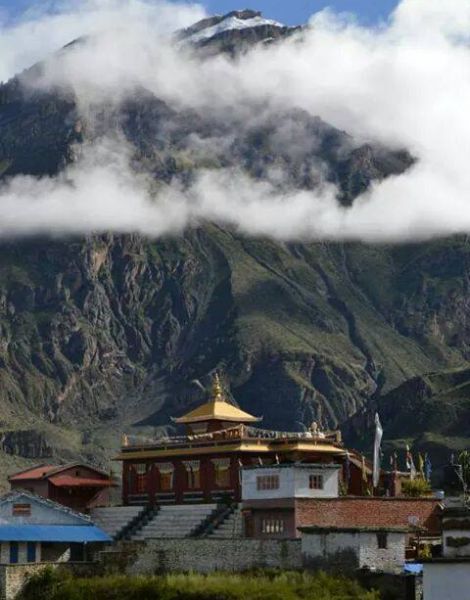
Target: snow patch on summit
point(230, 24)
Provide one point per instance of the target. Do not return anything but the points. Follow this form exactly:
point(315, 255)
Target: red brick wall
point(369, 512)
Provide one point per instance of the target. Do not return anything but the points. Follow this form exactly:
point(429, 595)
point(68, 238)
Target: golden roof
point(217, 409)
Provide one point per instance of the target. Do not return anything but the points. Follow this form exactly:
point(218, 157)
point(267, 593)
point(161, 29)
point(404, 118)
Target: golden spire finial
point(217, 390)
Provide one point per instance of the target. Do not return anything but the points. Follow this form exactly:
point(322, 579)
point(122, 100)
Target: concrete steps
point(113, 519)
point(231, 527)
point(178, 521)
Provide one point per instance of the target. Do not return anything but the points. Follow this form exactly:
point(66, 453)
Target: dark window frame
point(267, 482)
point(14, 553)
point(382, 540)
point(31, 552)
point(316, 481)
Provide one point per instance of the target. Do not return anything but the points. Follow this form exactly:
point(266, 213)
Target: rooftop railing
point(237, 433)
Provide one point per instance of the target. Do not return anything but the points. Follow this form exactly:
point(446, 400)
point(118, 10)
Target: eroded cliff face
point(108, 333)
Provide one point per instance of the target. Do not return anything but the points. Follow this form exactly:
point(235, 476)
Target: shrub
point(220, 586)
point(414, 488)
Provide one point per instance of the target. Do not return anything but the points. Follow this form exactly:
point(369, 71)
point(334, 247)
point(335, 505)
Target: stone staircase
point(231, 527)
point(176, 521)
point(114, 519)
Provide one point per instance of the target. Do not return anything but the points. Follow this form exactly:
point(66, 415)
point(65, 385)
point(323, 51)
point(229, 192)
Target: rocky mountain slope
point(429, 413)
point(107, 333)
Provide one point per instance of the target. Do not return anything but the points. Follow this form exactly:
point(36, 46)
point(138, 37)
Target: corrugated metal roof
point(52, 533)
point(20, 495)
point(413, 568)
point(34, 473)
point(45, 471)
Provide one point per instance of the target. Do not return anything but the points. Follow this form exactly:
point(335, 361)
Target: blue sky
point(287, 11)
point(293, 12)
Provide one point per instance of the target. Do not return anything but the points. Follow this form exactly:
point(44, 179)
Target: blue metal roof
point(413, 568)
point(52, 533)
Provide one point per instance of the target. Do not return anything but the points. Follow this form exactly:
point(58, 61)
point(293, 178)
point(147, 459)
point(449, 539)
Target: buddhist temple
point(204, 464)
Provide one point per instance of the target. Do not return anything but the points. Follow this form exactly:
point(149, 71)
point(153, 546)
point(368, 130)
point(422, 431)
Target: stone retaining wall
point(204, 555)
point(14, 577)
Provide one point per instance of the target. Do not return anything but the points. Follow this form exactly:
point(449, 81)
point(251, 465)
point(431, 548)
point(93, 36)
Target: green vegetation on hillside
point(52, 585)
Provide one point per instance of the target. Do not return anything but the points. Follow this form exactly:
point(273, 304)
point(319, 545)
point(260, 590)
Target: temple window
point(272, 526)
point(315, 482)
point(140, 478)
point(193, 471)
point(222, 472)
point(166, 471)
point(267, 482)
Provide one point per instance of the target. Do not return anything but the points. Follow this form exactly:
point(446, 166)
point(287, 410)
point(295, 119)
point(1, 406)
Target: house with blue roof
point(36, 530)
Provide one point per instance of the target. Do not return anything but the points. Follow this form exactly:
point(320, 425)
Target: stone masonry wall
point(390, 559)
point(330, 551)
point(206, 555)
point(14, 577)
point(348, 551)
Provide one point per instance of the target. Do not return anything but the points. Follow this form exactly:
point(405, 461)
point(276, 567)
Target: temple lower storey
point(205, 464)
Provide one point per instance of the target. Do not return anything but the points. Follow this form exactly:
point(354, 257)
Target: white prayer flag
point(377, 442)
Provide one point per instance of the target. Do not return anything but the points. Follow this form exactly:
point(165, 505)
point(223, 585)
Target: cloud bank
point(404, 84)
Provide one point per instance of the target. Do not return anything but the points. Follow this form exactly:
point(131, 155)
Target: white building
point(297, 480)
point(269, 494)
point(448, 576)
point(352, 548)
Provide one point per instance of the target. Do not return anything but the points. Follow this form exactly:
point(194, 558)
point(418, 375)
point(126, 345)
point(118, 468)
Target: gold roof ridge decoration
point(217, 409)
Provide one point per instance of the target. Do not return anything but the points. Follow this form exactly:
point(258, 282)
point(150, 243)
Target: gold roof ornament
point(315, 430)
point(217, 390)
point(217, 409)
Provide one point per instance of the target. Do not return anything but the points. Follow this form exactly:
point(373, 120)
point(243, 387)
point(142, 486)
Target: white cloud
point(98, 193)
point(49, 25)
point(406, 84)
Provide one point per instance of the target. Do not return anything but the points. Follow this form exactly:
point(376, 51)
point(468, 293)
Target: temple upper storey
point(216, 414)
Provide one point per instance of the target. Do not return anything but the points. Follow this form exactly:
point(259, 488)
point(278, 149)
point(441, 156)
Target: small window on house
point(13, 553)
point(31, 552)
point(315, 482)
point(77, 552)
point(77, 473)
point(272, 526)
point(267, 482)
point(21, 510)
point(382, 540)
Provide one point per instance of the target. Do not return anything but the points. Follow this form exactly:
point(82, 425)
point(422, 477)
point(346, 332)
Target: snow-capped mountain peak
point(234, 21)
